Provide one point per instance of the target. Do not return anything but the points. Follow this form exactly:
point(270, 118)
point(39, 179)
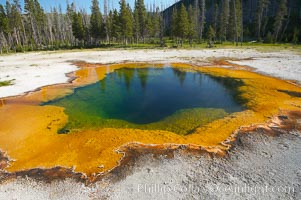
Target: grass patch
point(6, 83)
point(170, 44)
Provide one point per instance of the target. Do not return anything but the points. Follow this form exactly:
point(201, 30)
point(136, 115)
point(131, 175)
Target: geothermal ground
point(48, 68)
point(262, 163)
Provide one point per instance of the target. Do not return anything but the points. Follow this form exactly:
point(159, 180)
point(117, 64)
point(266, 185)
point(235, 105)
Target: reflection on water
point(149, 95)
point(181, 75)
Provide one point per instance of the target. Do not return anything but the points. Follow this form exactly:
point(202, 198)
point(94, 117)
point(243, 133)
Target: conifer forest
point(31, 27)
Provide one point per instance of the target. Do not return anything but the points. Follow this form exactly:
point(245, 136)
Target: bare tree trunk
point(50, 38)
point(197, 17)
point(1, 41)
point(286, 24)
point(24, 33)
point(33, 29)
point(105, 4)
point(15, 36)
point(235, 22)
point(215, 17)
point(4, 42)
point(265, 23)
point(10, 42)
point(242, 24)
point(259, 21)
point(202, 22)
point(47, 36)
point(161, 29)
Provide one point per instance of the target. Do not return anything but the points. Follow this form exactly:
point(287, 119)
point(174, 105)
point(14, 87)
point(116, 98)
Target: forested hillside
point(261, 20)
point(31, 28)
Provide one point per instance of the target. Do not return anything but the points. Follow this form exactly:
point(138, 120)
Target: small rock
point(283, 117)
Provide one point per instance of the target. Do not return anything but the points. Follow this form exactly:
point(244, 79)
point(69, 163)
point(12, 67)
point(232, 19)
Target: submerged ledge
point(30, 139)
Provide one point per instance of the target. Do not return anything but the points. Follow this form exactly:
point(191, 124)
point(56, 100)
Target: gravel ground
point(258, 167)
point(285, 66)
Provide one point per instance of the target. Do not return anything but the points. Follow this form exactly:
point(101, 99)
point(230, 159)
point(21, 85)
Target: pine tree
point(10, 38)
point(203, 18)
point(269, 38)
point(96, 25)
point(295, 35)
point(29, 8)
point(210, 34)
point(156, 23)
point(116, 26)
point(109, 25)
point(86, 27)
point(183, 22)
point(3, 20)
point(140, 18)
point(34, 29)
point(126, 21)
point(224, 20)
point(40, 20)
point(136, 27)
point(235, 21)
point(261, 17)
point(215, 16)
point(61, 24)
point(56, 20)
point(16, 24)
point(191, 28)
point(161, 26)
point(4, 29)
point(37, 20)
point(197, 17)
point(174, 23)
point(68, 26)
point(239, 20)
point(77, 26)
point(149, 28)
point(129, 22)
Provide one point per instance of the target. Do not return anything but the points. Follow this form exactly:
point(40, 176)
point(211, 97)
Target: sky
point(86, 4)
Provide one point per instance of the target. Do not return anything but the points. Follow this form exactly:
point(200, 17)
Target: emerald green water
point(150, 98)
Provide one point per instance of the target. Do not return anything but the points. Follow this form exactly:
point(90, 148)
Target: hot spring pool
point(156, 98)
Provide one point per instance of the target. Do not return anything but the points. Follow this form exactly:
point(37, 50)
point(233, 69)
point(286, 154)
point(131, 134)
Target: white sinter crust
point(33, 70)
